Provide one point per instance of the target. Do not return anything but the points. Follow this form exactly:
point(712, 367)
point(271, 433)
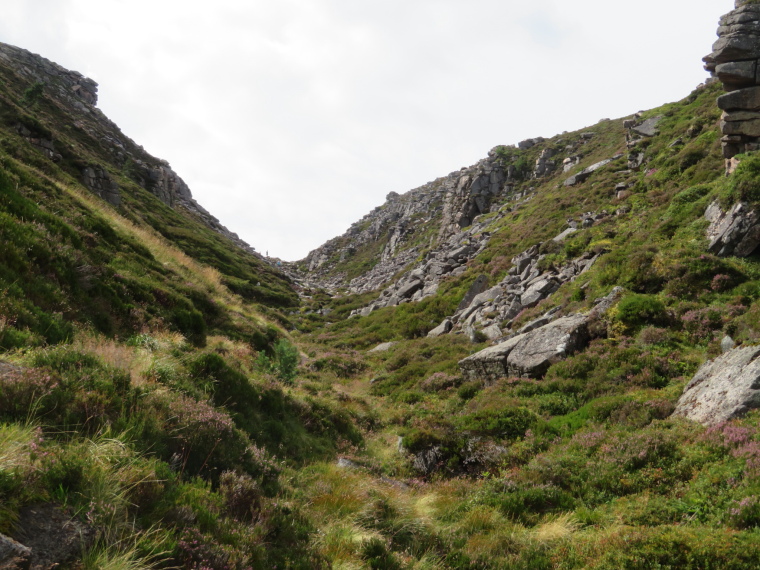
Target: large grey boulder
point(648, 128)
point(480, 300)
point(442, 329)
point(410, 288)
point(492, 332)
point(724, 388)
point(530, 354)
point(736, 232)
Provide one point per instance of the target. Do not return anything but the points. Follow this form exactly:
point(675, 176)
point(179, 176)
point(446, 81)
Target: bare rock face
point(736, 232)
point(734, 61)
point(530, 354)
point(99, 182)
point(724, 388)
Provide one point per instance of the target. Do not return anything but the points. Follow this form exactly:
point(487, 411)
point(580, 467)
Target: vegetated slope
point(221, 458)
point(143, 356)
point(56, 148)
point(583, 466)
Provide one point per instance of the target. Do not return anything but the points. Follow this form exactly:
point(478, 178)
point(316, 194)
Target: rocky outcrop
point(71, 86)
point(471, 191)
point(537, 345)
point(724, 388)
point(736, 232)
point(637, 129)
point(397, 233)
point(387, 234)
point(524, 286)
point(423, 279)
point(529, 354)
point(734, 61)
point(98, 181)
point(44, 145)
point(584, 174)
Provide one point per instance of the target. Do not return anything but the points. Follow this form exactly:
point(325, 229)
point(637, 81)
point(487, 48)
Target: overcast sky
point(291, 119)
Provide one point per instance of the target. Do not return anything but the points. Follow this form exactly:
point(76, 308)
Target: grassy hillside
point(149, 387)
point(585, 468)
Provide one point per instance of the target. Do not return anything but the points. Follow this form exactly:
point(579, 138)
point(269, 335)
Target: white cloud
point(291, 119)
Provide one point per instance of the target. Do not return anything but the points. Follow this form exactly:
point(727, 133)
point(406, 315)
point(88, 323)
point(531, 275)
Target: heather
point(196, 408)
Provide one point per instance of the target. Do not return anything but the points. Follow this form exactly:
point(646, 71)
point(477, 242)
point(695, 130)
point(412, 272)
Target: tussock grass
point(342, 542)
point(139, 550)
point(560, 527)
point(16, 442)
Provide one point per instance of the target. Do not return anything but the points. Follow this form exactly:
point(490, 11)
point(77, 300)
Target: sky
point(292, 119)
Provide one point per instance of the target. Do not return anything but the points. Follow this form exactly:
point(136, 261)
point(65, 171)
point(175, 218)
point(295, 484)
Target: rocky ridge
point(414, 240)
point(526, 285)
point(76, 96)
point(734, 61)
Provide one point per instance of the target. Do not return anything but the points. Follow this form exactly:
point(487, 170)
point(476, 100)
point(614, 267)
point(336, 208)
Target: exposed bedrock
point(736, 232)
point(724, 388)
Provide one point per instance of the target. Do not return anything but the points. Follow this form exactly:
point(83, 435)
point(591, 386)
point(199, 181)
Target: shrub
point(469, 390)
point(198, 439)
point(33, 94)
point(341, 367)
point(283, 363)
point(527, 502)
point(557, 404)
point(690, 277)
point(375, 552)
point(440, 381)
point(745, 513)
point(638, 310)
point(653, 335)
point(509, 423)
point(191, 324)
point(242, 496)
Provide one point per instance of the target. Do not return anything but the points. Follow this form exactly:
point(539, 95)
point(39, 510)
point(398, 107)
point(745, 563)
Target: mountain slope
point(55, 140)
point(496, 370)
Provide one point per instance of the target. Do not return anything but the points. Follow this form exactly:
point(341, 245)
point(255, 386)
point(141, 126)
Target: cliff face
point(76, 97)
point(409, 227)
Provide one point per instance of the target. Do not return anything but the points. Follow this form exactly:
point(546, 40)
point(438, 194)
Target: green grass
point(163, 403)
